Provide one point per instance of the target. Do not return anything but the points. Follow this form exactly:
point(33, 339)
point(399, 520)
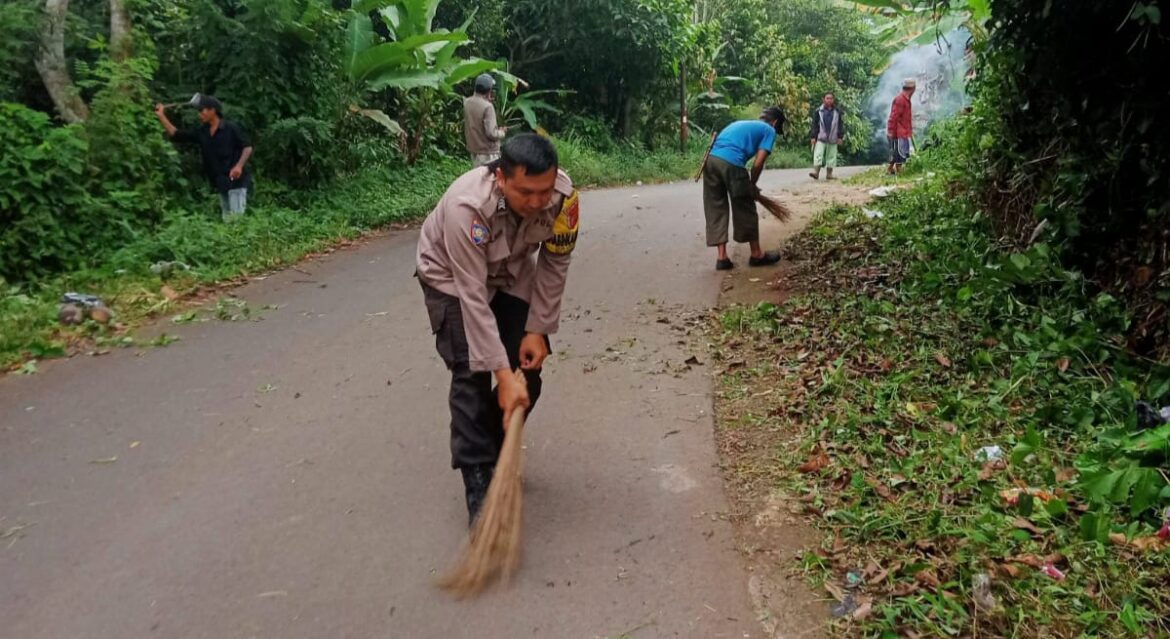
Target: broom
point(775, 207)
point(493, 548)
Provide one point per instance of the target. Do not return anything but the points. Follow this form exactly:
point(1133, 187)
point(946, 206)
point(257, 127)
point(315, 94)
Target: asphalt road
point(289, 477)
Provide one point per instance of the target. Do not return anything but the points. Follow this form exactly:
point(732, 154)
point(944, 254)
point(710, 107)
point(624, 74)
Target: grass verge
point(270, 236)
point(960, 422)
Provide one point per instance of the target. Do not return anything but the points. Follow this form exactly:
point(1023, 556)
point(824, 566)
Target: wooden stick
point(703, 166)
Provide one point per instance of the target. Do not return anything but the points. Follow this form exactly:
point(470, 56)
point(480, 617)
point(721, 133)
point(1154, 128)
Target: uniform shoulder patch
point(480, 233)
point(566, 226)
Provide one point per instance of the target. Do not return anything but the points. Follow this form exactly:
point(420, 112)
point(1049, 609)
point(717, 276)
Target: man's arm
point(552, 271)
point(895, 114)
point(489, 125)
point(242, 140)
point(758, 165)
point(161, 112)
point(544, 311)
point(814, 129)
point(486, 351)
point(840, 127)
point(762, 152)
point(468, 262)
point(238, 169)
point(187, 136)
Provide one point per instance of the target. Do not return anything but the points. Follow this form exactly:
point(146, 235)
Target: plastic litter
point(848, 598)
point(75, 307)
point(82, 299)
point(166, 268)
point(981, 592)
point(854, 580)
point(70, 314)
point(1053, 571)
point(1150, 417)
point(845, 607)
point(989, 454)
point(882, 191)
point(873, 214)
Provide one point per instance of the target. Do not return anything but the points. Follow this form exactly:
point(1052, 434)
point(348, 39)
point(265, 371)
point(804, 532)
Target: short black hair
point(776, 115)
point(832, 94)
point(533, 152)
point(210, 102)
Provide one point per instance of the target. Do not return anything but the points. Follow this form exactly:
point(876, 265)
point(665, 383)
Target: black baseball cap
point(208, 102)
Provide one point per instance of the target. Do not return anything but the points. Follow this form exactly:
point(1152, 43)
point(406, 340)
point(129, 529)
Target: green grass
point(593, 168)
point(270, 236)
point(917, 343)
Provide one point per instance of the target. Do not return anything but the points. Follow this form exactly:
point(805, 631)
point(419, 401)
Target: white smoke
point(939, 69)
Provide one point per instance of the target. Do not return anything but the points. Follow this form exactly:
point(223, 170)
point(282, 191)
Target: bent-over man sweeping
point(727, 185)
point(492, 260)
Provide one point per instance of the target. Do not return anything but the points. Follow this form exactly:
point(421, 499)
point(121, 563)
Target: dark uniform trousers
point(477, 423)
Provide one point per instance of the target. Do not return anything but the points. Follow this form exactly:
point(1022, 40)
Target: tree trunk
point(120, 42)
point(683, 122)
point(52, 66)
point(627, 116)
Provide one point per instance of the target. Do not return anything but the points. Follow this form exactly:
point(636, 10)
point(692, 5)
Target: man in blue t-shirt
point(726, 182)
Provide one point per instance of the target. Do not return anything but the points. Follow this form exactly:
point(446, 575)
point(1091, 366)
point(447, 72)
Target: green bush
point(131, 163)
point(627, 164)
point(17, 48)
point(72, 194)
point(302, 152)
point(1055, 143)
point(46, 211)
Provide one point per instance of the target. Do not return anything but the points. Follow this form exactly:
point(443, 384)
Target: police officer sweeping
point(492, 260)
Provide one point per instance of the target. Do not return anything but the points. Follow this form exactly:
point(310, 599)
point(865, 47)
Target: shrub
point(46, 211)
point(1057, 143)
point(300, 151)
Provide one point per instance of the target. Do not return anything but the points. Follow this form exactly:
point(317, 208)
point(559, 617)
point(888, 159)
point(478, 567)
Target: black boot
point(475, 481)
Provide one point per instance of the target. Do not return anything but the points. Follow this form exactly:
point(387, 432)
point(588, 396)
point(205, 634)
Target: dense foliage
point(1078, 138)
point(979, 364)
point(1067, 143)
point(333, 89)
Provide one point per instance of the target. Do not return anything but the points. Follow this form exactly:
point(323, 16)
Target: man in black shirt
point(225, 149)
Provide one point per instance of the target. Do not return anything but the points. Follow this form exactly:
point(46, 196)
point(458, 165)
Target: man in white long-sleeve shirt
point(479, 123)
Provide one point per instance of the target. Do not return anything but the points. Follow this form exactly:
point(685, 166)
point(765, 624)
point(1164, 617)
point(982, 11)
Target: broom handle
point(516, 420)
point(703, 166)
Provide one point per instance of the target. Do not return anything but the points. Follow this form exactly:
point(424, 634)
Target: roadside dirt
point(771, 529)
point(746, 285)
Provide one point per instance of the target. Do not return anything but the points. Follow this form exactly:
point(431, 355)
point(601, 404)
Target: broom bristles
point(781, 212)
point(493, 548)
